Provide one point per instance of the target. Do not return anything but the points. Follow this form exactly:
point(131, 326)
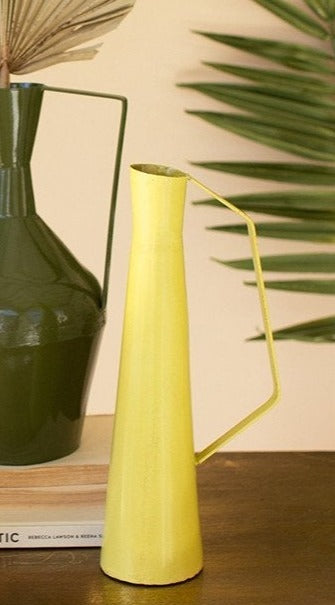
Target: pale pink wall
point(150, 52)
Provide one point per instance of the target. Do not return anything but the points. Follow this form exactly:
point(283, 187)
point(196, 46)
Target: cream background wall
point(143, 59)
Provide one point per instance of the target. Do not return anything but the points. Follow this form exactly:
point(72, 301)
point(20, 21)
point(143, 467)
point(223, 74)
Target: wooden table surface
point(268, 524)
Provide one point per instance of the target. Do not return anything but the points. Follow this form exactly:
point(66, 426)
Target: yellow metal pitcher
point(152, 532)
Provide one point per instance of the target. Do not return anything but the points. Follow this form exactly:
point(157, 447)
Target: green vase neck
point(20, 107)
point(16, 192)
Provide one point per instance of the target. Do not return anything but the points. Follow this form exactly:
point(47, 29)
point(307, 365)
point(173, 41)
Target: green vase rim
point(22, 86)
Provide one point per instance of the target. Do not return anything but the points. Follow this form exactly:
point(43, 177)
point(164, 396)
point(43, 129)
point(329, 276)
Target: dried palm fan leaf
point(35, 34)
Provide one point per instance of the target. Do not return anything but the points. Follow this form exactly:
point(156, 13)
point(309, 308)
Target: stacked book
point(59, 503)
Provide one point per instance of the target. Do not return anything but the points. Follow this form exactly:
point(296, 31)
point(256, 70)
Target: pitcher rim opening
point(158, 170)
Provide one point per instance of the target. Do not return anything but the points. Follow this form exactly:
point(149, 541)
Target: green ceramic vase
point(51, 312)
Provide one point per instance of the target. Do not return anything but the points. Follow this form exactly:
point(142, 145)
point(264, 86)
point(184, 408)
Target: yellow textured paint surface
point(152, 531)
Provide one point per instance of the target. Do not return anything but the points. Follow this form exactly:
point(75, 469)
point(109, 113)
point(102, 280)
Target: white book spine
point(51, 536)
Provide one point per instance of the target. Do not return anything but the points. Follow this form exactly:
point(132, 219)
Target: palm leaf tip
point(316, 286)
point(293, 263)
point(35, 34)
point(297, 230)
point(318, 331)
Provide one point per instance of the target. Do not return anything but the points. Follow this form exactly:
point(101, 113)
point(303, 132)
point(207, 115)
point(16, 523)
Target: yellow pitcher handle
point(264, 407)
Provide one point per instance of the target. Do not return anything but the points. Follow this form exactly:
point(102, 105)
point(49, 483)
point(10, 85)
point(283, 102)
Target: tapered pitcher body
point(152, 533)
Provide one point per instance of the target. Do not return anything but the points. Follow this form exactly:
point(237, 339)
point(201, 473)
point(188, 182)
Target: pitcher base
point(140, 581)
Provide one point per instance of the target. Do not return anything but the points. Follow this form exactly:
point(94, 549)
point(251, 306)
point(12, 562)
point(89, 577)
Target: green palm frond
point(305, 231)
point(295, 16)
point(295, 56)
point(324, 9)
point(295, 138)
point(317, 174)
point(291, 107)
point(277, 78)
point(313, 286)
point(312, 205)
point(319, 330)
point(35, 34)
point(321, 262)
